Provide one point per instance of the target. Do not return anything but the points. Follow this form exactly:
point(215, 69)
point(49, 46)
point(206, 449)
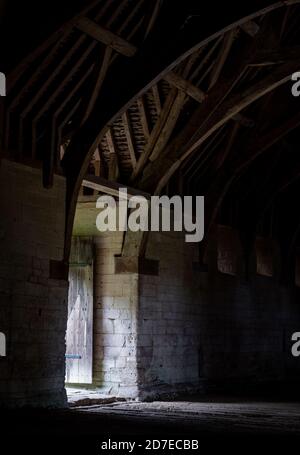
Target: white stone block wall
point(146, 327)
point(33, 307)
point(115, 330)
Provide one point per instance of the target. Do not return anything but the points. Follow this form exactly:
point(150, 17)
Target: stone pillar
point(33, 310)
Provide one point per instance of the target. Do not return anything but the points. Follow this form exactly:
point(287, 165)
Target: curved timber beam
point(181, 34)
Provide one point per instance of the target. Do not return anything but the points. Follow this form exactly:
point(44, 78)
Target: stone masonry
point(33, 307)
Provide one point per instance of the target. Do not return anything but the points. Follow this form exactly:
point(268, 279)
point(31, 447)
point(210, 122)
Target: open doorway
point(79, 335)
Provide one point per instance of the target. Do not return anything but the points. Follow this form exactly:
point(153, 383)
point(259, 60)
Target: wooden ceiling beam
point(259, 145)
point(166, 165)
point(143, 114)
point(106, 37)
point(185, 86)
point(275, 56)
point(113, 166)
point(169, 126)
point(78, 154)
point(155, 134)
point(198, 95)
point(129, 137)
point(99, 82)
point(112, 188)
point(61, 86)
point(157, 99)
point(234, 168)
point(223, 55)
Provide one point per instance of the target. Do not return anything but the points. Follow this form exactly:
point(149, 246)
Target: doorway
point(79, 335)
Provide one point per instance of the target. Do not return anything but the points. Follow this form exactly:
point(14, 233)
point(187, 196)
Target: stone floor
point(86, 397)
point(215, 416)
point(202, 416)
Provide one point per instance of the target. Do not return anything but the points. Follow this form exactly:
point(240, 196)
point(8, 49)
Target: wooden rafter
point(60, 88)
point(169, 125)
point(185, 86)
point(154, 15)
point(106, 37)
point(78, 154)
point(199, 96)
point(224, 178)
point(143, 115)
point(275, 56)
point(202, 158)
point(129, 137)
point(169, 163)
point(108, 187)
point(206, 59)
point(155, 134)
point(156, 97)
point(223, 55)
point(99, 81)
point(59, 35)
point(113, 171)
point(51, 158)
point(54, 126)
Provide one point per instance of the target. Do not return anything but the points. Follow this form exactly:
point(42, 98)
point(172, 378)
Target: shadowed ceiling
point(166, 98)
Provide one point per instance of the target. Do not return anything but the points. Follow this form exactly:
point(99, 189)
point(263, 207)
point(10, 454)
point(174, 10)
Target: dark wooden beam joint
point(106, 37)
point(140, 265)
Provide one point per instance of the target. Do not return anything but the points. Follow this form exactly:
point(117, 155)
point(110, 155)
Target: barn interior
point(132, 330)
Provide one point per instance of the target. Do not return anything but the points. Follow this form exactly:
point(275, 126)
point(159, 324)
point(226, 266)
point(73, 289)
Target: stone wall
point(169, 318)
point(195, 328)
point(146, 334)
point(246, 321)
point(33, 306)
point(115, 323)
point(219, 326)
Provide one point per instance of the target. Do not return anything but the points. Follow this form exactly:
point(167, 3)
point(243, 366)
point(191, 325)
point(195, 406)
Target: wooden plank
point(184, 85)
point(106, 37)
point(129, 137)
point(60, 35)
point(65, 121)
point(169, 126)
point(63, 83)
point(79, 336)
point(112, 188)
point(156, 97)
point(113, 171)
point(55, 144)
point(154, 15)
point(199, 96)
point(129, 18)
point(240, 101)
point(144, 120)
point(99, 81)
point(97, 162)
point(275, 56)
point(223, 55)
point(78, 154)
point(206, 59)
point(155, 133)
point(234, 105)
